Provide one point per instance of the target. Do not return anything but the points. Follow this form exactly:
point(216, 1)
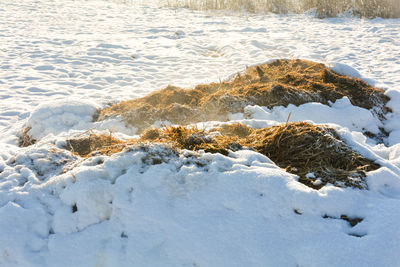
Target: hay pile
point(315, 153)
point(87, 144)
point(279, 83)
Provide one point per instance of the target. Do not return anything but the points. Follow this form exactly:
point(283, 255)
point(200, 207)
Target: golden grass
point(279, 83)
point(235, 129)
point(86, 145)
point(300, 148)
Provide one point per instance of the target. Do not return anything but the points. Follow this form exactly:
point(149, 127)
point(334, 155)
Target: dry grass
point(279, 83)
point(235, 129)
point(300, 148)
point(86, 145)
point(25, 139)
point(324, 8)
point(192, 138)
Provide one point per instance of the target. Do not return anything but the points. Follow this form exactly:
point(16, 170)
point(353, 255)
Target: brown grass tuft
point(25, 139)
point(151, 134)
point(85, 146)
point(236, 129)
point(191, 138)
point(302, 148)
point(279, 83)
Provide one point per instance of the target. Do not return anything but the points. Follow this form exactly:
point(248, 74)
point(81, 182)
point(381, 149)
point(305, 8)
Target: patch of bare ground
point(278, 83)
point(313, 152)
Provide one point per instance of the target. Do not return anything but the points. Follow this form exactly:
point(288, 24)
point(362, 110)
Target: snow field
point(115, 51)
point(63, 60)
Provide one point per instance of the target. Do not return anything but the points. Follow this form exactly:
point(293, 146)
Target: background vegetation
point(323, 8)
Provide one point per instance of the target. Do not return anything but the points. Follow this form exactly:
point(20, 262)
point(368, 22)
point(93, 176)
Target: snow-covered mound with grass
point(191, 209)
point(155, 206)
point(342, 112)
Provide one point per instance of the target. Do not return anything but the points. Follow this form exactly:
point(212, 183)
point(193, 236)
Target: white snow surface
point(342, 112)
point(62, 60)
point(61, 116)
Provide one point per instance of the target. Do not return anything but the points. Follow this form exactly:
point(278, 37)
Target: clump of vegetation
point(86, 145)
point(278, 83)
point(24, 139)
point(314, 152)
point(235, 129)
point(151, 134)
point(323, 8)
point(192, 138)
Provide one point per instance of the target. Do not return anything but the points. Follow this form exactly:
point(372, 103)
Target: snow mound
point(154, 207)
point(299, 148)
point(344, 69)
point(341, 112)
point(393, 104)
point(61, 116)
point(279, 82)
point(241, 209)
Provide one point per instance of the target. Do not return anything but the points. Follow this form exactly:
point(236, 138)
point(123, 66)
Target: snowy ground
point(61, 60)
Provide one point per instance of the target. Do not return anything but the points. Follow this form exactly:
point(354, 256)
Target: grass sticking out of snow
point(315, 153)
point(24, 138)
point(235, 129)
point(278, 83)
point(323, 8)
point(85, 145)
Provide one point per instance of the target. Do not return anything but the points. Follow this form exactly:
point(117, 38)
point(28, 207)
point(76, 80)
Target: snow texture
point(60, 116)
point(62, 60)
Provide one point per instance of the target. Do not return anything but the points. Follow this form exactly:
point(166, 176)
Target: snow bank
point(61, 116)
point(342, 113)
point(237, 210)
point(394, 100)
point(23, 234)
point(344, 69)
point(393, 121)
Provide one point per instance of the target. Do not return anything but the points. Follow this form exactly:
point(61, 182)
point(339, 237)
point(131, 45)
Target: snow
point(63, 60)
point(61, 116)
point(344, 69)
point(342, 112)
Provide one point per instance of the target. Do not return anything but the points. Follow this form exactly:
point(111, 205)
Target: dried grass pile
point(279, 83)
point(86, 145)
point(192, 138)
point(315, 153)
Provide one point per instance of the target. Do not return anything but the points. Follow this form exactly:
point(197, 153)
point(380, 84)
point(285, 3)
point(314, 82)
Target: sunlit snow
point(62, 60)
